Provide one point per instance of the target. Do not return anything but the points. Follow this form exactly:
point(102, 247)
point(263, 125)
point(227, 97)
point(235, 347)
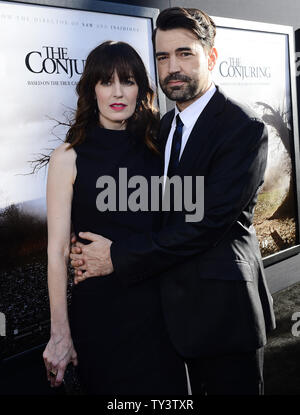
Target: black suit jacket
point(214, 293)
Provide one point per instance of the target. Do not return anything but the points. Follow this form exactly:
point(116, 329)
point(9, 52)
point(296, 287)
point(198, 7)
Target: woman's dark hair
point(194, 20)
point(100, 65)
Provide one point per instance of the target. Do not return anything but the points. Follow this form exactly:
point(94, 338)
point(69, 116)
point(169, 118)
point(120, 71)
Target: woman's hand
point(58, 353)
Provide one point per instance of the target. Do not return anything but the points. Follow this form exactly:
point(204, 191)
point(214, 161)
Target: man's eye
point(161, 58)
point(185, 54)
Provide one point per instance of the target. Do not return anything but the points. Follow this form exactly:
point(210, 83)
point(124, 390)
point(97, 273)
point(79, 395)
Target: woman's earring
point(96, 110)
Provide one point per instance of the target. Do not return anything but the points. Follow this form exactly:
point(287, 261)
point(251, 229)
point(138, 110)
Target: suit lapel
point(199, 134)
point(201, 131)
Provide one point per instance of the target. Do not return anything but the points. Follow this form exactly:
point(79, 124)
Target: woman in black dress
point(115, 335)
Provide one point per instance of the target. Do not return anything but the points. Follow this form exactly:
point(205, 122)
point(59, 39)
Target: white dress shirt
point(189, 117)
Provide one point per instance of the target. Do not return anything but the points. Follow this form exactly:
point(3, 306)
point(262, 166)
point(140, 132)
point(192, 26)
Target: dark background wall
point(286, 12)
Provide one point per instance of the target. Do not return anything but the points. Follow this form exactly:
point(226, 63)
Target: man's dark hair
point(194, 20)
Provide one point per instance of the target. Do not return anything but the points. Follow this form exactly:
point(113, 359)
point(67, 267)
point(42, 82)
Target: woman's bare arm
point(61, 175)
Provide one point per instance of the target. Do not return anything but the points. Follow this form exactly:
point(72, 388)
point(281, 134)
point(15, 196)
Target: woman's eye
point(129, 82)
point(106, 83)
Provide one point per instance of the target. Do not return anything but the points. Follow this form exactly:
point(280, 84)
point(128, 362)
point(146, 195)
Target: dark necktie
point(176, 146)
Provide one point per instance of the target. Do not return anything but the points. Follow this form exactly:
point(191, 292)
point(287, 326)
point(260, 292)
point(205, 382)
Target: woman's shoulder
point(63, 163)
point(63, 154)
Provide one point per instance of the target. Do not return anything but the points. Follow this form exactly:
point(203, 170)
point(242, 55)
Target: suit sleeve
point(235, 174)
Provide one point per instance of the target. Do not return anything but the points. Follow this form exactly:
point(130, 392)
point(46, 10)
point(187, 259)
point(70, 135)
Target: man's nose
point(173, 65)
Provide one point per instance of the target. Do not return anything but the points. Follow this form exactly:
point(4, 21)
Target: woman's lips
point(118, 106)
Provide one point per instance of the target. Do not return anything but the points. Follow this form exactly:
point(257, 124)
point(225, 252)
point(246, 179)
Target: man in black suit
point(215, 298)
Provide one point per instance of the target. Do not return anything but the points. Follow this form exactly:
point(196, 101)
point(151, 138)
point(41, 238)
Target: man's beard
point(180, 93)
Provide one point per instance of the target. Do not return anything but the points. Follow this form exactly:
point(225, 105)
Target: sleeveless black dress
point(118, 332)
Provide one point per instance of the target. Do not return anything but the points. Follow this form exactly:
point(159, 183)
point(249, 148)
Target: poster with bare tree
point(256, 66)
point(42, 55)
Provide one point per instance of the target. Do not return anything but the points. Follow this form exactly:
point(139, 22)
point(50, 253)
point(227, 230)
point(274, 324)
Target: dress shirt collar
point(190, 114)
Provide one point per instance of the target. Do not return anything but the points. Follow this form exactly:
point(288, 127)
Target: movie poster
point(253, 67)
point(42, 55)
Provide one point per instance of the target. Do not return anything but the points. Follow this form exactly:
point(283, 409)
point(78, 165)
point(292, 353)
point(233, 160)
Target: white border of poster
point(256, 66)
